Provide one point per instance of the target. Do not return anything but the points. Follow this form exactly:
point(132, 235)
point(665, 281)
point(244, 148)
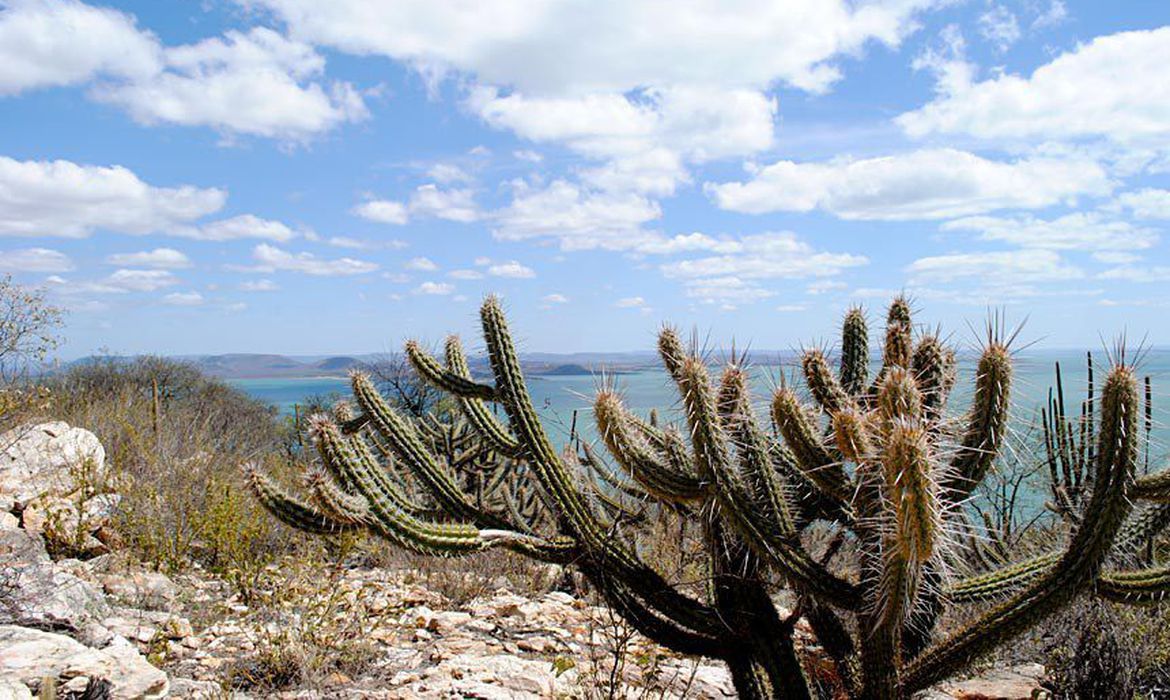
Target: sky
point(300, 177)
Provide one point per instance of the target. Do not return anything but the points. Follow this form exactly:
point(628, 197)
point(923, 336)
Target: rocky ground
point(107, 627)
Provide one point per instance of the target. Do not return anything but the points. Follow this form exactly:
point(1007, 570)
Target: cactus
point(880, 460)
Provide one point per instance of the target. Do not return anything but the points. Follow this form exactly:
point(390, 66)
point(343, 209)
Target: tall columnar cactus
point(881, 461)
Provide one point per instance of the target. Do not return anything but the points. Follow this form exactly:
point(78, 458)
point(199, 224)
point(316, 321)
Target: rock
point(8, 521)
point(1016, 683)
point(14, 690)
point(48, 459)
point(496, 677)
point(38, 594)
point(149, 589)
point(196, 690)
point(28, 655)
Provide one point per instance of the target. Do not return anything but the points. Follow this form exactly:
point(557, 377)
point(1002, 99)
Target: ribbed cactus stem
point(898, 399)
point(912, 493)
point(1117, 454)
point(288, 509)
point(986, 423)
point(823, 386)
point(931, 366)
point(637, 458)
point(801, 436)
point(854, 352)
point(672, 352)
point(455, 384)
point(476, 411)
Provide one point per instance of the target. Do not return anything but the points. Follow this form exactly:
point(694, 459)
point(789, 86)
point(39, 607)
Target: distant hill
point(274, 366)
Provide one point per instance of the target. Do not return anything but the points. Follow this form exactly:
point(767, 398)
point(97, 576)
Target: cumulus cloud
point(260, 285)
point(603, 46)
point(34, 260)
point(452, 205)
point(555, 299)
point(1077, 231)
point(924, 184)
point(580, 219)
point(166, 258)
point(1148, 203)
point(269, 258)
point(61, 198)
point(183, 299)
point(1001, 267)
point(47, 43)
point(512, 269)
point(243, 226)
point(434, 288)
point(259, 83)
point(383, 211)
point(735, 276)
point(630, 303)
point(423, 264)
point(1078, 94)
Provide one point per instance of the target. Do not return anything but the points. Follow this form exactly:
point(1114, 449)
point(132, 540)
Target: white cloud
point(434, 288)
point(357, 244)
point(259, 83)
point(167, 258)
point(766, 256)
point(119, 282)
point(579, 219)
point(605, 46)
point(243, 226)
point(527, 155)
point(34, 260)
point(630, 303)
point(422, 264)
point(1137, 273)
point(61, 198)
point(260, 285)
point(426, 201)
point(1055, 14)
point(62, 42)
point(383, 211)
point(447, 173)
point(555, 299)
point(465, 274)
point(452, 205)
point(1147, 203)
point(1077, 231)
point(924, 184)
point(1112, 87)
point(1000, 267)
point(512, 269)
point(999, 26)
point(729, 290)
point(270, 259)
point(183, 299)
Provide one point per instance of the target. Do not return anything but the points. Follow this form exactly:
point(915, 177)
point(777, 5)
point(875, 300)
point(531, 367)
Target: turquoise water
point(557, 397)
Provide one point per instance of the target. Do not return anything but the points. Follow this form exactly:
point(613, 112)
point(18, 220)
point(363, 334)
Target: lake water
point(557, 397)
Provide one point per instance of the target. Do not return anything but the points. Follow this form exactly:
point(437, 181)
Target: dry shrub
point(174, 441)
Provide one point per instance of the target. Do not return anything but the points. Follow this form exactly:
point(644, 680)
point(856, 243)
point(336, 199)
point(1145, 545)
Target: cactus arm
point(476, 411)
point(854, 352)
point(824, 387)
point(931, 366)
point(986, 424)
point(812, 459)
point(766, 537)
point(1155, 487)
point(331, 500)
point(573, 513)
point(453, 383)
point(404, 441)
point(1135, 587)
point(999, 583)
point(636, 458)
point(1080, 564)
point(609, 477)
point(289, 510)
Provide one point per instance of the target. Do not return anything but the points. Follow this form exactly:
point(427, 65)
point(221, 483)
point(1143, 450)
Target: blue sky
point(298, 177)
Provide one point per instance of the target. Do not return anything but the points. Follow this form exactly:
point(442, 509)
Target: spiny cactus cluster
point(881, 461)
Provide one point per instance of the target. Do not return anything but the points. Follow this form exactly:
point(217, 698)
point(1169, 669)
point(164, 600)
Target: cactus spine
point(877, 458)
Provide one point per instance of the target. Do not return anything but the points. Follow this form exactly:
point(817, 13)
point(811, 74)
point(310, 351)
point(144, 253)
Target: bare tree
point(28, 325)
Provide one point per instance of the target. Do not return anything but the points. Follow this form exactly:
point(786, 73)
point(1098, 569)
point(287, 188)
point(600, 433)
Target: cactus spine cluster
point(881, 461)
